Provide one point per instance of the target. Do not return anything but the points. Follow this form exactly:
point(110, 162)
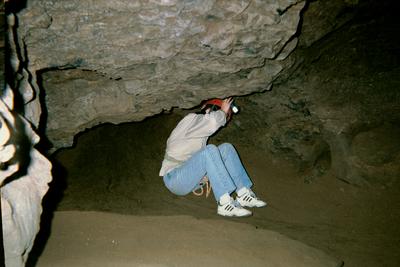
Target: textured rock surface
point(25, 173)
point(117, 61)
point(24, 181)
point(340, 107)
point(149, 56)
point(323, 17)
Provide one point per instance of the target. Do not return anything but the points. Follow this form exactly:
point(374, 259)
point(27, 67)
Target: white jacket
point(189, 136)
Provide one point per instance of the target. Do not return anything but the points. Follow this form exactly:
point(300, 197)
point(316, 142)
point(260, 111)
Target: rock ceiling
point(147, 56)
point(82, 63)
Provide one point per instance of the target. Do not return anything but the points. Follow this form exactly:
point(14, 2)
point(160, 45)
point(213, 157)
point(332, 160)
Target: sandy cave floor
point(357, 225)
point(107, 239)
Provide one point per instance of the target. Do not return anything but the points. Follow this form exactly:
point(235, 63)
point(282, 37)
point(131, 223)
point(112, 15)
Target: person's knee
point(211, 147)
point(226, 147)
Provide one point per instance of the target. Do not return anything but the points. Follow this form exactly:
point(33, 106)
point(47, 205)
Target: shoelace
point(236, 203)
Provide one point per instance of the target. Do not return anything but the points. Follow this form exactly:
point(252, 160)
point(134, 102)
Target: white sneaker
point(250, 200)
point(231, 210)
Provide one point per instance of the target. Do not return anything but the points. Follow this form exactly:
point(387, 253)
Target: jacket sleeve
point(205, 125)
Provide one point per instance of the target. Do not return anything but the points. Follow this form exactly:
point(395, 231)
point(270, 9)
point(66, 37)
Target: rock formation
point(78, 64)
point(92, 62)
point(149, 56)
point(24, 171)
point(24, 178)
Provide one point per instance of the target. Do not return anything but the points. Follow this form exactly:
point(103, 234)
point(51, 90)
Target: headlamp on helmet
point(216, 104)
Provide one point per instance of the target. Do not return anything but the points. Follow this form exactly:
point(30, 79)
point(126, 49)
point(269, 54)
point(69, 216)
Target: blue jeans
point(222, 166)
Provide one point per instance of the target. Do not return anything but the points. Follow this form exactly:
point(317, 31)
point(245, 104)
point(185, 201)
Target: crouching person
point(188, 159)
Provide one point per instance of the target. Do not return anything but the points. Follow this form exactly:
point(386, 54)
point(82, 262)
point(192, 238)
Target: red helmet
point(216, 103)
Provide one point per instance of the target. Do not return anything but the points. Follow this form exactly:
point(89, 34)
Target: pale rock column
point(24, 178)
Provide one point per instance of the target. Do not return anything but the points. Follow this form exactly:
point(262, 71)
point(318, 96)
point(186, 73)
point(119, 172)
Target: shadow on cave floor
point(115, 169)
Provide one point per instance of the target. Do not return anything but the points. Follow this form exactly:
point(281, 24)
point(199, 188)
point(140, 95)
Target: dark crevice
point(281, 11)
point(23, 147)
point(15, 6)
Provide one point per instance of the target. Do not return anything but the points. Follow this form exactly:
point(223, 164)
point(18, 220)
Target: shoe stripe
point(228, 208)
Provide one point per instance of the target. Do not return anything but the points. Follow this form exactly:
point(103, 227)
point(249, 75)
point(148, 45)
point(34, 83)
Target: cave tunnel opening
point(114, 168)
point(287, 143)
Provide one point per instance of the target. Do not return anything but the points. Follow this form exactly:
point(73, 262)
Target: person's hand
point(226, 105)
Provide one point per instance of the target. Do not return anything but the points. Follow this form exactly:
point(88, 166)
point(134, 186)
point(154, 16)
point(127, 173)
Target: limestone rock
point(24, 181)
point(323, 17)
point(375, 154)
point(340, 106)
point(150, 56)
point(116, 61)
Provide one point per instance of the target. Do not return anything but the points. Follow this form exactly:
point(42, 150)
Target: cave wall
point(339, 108)
point(77, 64)
point(149, 56)
point(88, 63)
point(24, 171)
point(24, 177)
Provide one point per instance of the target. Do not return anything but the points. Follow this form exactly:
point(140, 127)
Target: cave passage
point(114, 168)
point(322, 147)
